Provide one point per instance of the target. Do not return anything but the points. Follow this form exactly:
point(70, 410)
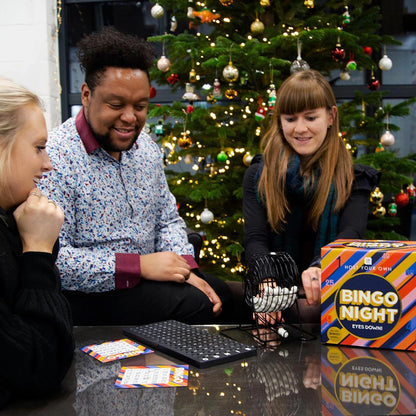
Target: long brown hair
point(304, 90)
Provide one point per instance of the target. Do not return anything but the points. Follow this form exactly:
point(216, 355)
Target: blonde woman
point(36, 343)
point(304, 191)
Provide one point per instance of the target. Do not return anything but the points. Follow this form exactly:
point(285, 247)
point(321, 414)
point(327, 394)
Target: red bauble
point(402, 199)
point(338, 53)
point(367, 50)
point(189, 109)
point(374, 84)
point(152, 92)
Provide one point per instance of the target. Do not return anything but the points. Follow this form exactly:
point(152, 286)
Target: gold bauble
point(379, 211)
point(257, 27)
point(376, 197)
point(309, 4)
point(247, 158)
point(231, 93)
point(184, 141)
point(265, 3)
point(192, 75)
point(230, 72)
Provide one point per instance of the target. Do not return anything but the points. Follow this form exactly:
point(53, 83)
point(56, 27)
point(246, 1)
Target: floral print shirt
point(115, 211)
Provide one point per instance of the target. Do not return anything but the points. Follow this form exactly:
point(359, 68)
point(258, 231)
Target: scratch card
point(115, 350)
point(152, 376)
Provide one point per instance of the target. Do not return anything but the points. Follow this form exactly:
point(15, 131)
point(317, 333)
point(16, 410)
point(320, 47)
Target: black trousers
point(152, 301)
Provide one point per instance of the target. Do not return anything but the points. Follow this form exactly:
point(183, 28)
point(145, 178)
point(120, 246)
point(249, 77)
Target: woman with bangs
point(304, 191)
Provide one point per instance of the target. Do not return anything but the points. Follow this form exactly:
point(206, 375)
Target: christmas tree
point(226, 59)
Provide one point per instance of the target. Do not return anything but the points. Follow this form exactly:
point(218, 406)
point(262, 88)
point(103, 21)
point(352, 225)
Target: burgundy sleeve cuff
point(127, 273)
point(191, 261)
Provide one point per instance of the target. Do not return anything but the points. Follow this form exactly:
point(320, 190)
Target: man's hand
point(203, 286)
point(164, 266)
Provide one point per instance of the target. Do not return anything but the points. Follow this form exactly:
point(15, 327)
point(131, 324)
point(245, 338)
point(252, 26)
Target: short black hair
point(112, 48)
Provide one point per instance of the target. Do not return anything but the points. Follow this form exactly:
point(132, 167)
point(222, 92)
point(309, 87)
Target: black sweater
point(36, 340)
point(258, 235)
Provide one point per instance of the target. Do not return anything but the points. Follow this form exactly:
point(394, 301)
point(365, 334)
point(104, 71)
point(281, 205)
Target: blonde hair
point(13, 98)
point(304, 90)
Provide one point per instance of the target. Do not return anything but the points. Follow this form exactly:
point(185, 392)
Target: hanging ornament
point(260, 114)
point(379, 148)
point(387, 139)
point(265, 3)
point(216, 91)
point(222, 156)
point(402, 199)
point(172, 79)
point(230, 72)
point(257, 27)
point(338, 53)
point(159, 128)
point(309, 4)
point(376, 197)
point(157, 11)
point(272, 97)
point(374, 83)
point(226, 3)
point(185, 140)
point(189, 93)
point(411, 192)
point(392, 208)
point(346, 19)
point(247, 158)
point(192, 75)
point(206, 216)
point(299, 64)
point(189, 109)
point(379, 211)
point(385, 63)
point(345, 76)
point(351, 64)
point(173, 24)
point(190, 13)
point(163, 64)
point(206, 16)
point(230, 93)
point(152, 92)
point(367, 50)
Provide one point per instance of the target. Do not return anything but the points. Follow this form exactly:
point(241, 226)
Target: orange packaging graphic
point(368, 294)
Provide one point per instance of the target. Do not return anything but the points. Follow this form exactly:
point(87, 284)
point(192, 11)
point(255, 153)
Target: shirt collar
point(84, 131)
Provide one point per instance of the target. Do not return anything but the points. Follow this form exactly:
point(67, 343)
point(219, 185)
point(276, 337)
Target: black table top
point(291, 377)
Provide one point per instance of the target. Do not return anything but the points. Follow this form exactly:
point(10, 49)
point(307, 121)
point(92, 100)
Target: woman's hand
point(39, 221)
point(311, 281)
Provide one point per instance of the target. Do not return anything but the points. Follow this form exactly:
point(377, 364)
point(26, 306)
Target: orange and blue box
point(368, 294)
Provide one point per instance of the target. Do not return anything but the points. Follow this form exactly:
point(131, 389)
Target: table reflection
point(365, 381)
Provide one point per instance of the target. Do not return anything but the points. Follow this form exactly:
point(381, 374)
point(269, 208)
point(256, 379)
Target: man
point(124, 257)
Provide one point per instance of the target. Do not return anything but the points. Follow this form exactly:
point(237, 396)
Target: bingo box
point(368, 294)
